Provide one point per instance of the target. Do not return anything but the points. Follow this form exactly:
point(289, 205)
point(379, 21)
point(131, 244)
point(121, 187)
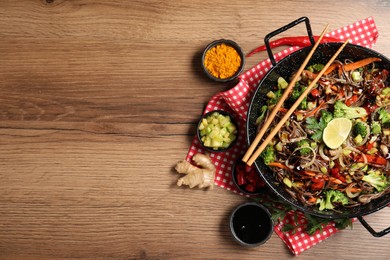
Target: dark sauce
point(252, 224)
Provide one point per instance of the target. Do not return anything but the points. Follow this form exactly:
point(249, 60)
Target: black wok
point(285, 68)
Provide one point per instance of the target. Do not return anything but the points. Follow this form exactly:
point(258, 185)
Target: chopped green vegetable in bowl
point(217, 130)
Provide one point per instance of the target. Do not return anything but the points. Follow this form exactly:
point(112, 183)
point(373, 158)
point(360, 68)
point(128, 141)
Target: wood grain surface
point(99, 100)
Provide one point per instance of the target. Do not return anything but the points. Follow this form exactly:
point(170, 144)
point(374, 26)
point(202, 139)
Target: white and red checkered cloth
point(237, 100)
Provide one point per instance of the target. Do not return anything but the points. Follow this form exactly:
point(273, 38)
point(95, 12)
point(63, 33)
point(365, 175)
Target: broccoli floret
point(330, 197)
point(384, 117)
point(303, 104)
point(376, 179)
point(268, 154)
point(262, 115)
point(376, 128)
point(342, 110)
point(315, 67)
point(326, 117)
point(295, 94)
point(304, 143)
point(360, 128)
point(274, 96)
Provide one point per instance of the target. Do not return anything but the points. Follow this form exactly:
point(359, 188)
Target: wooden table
point(100, 99)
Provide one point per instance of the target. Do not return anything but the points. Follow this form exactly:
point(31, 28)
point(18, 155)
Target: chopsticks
point(291, 110)
point(286, 93)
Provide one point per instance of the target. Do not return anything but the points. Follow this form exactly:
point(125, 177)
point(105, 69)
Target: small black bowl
point(251, 224)
point(254, 184)
point(198, 132)
point(229, 43)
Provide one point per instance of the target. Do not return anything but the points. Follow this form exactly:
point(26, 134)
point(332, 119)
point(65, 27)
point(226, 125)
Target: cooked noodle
point(345, 168)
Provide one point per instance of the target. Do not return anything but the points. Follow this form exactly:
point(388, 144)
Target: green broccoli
point(384, 117)
point(295, 94)
point(315, 67)
point(268, 154)
point(304, 143)
point(263, 110)
point(303, 104)
point(342, 110)
point(376, 179)
point(326, 117)
point(360, 128)
point(330, 197)
point(274, 97)
point(376, 128)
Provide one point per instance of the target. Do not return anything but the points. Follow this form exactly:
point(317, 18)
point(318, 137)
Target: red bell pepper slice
point(374, 159)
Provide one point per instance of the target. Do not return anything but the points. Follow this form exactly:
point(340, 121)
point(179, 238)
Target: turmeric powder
point(222, 61)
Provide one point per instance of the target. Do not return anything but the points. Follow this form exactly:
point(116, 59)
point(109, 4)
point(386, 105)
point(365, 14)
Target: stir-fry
point(334, 151)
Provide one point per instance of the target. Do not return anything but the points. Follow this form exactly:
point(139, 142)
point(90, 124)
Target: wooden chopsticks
point(293, 107)
point(282, 99)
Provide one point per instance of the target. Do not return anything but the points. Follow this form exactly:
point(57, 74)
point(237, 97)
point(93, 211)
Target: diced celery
point(288, 182)
point(279, 146)
point(271, 94)
point(231, 128)
point(282, 83)
point(217, 131)
point(356, 76)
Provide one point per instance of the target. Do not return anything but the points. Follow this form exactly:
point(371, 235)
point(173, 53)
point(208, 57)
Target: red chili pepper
point(351, 100)
point(247, 178)
point(369, 146)
point(300, 41)
point(374, 159)
point(335, 172)
point(250, 187)
point(317, 184)
point(370, 107)
point(315, 93)
point(241, 180)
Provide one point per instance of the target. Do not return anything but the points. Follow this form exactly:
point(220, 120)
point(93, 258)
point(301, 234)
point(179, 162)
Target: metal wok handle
point(284, 28)
point(371, 230)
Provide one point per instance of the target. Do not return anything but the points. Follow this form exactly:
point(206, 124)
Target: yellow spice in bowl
point(222, 61)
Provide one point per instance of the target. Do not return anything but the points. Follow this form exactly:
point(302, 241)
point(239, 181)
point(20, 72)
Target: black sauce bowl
point(228, 43)
point(232, 119)
point(251, 224)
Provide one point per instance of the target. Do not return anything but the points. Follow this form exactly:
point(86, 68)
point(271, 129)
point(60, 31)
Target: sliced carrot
point(332, 68)
point(352, 66)
point(355, 190)
point(334, 88)
point(312, 199)
point(336, 181)
point(360, 63)
point(309, 173)
point(283, 110)
point(309, 74)
point(279, 165)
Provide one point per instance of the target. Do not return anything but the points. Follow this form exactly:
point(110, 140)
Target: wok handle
point(284, 28)
point(371, 230)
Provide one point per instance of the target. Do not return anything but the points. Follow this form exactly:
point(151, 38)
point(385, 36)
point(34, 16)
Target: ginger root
point(195, 176)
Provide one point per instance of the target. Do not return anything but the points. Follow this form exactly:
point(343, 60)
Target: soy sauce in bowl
point(251, 224)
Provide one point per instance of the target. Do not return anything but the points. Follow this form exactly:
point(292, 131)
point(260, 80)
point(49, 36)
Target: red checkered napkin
point(237, 100)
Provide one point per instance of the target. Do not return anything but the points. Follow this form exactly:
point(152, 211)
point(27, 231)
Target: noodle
point(313, 169)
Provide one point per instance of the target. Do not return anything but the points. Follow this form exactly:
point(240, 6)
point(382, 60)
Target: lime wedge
point(336, 132)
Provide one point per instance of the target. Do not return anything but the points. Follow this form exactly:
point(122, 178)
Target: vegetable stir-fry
point(334, 151)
